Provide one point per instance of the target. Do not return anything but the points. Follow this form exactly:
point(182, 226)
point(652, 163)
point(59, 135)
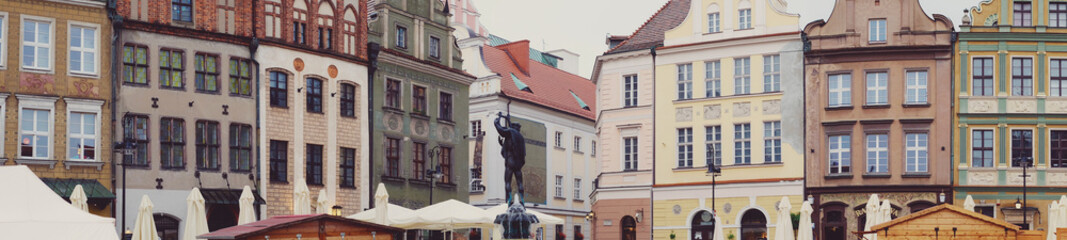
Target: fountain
point(516, 221)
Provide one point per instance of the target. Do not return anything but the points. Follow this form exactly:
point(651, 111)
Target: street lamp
point(1025, 162)
point(434, 173)
point(127, 148)
point(336, 211)
point(713, 171)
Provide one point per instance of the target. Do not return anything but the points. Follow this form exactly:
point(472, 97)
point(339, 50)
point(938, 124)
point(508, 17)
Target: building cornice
point(729, 42)
point(422, 66)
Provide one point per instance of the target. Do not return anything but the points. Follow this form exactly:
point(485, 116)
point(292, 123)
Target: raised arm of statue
point(500, 127)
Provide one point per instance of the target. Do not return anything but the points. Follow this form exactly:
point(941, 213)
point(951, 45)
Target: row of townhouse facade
point(133, 98)
point(879, 98)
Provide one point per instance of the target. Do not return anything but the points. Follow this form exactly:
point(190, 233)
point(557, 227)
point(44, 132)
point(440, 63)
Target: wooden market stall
point(307, 227)
point(951, 222)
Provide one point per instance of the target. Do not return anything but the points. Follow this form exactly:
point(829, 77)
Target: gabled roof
point(650, 34)
point(548, 86)
point(945, 207)
point(547, 59)
point(241, 231)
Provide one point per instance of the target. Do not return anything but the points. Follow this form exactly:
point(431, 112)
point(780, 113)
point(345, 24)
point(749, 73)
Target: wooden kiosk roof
point(940, 220)
point(320, 226)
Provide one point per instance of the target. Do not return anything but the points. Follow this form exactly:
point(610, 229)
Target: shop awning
point(93, 189)
point(227, 196)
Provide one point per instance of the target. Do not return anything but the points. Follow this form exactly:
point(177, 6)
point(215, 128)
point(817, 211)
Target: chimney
point(519, 53)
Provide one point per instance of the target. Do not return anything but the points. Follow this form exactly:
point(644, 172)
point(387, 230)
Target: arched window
point(325, 25)
point(166, 226)
point(919, 206)
point(349, 28)
point(753, 225)
point(702, 226)
point(314, 95)
point(300, 22)
point(628, 228)
point(744, 15)
point(714, 19)
point(348, 100)
point(834, 223)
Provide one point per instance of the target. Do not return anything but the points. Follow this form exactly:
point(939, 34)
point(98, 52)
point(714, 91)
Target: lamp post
point(126, 148)
point(713, 171)
point(435, 173)
point(1025, 162)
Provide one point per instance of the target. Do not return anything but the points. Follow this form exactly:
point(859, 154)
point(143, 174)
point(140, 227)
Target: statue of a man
point(513, 148)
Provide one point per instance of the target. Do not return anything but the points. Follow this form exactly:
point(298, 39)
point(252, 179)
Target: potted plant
point(672, 235)
point(731, 236)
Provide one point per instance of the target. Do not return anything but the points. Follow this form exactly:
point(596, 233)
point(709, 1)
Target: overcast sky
point(580, 25)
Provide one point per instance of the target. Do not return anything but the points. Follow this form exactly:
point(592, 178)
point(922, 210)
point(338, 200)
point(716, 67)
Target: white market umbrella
point(301, 198)
point(718, 235)
point(887, 212)
point(872, 216)
point(450, 214)
point(195, 216)
point(29, 209)
point(543, 218)
point(78, 198)
point(394, 216)
point(1063, 211)
point(1053, 220)
point(145, 226)
point(247, 211)
point(784, 228)
point(381, 204)
point(322, 205)
point(804, 232)
point(968, 203)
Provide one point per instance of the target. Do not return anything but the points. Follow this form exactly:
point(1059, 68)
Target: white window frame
point(714, 20)
point(577, 143)
point(51, 44)
point(1011, 76)
point(877, 30)
point(744, 19)
point(42, 103)
point(743, 143)
point(912, 165)
point(713, 78)
point(559, 139)
point(843, 90)
point(684, 136)
point(772, 73)
point(559, 186)
point(917, 93)
point(3, 40)
point(993, 72)
point(434, 49)
point(1011, 148)
point(3, 121)
point(742, 75)
point(878, 90)
point(876, 149)
point(631, 156)
point(772, 140)
point(713, 138)
point(629, 90)
point(685, 81)
point(89, 106)
point(970, 146)
point(577, 188)
point(842, 152)
point(94, 72)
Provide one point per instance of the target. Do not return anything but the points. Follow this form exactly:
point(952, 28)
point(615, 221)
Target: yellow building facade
point(728, 91)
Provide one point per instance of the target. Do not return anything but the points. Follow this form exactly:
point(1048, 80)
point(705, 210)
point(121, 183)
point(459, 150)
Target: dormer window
point(714, 18)
point(744, 19)
point(877, 30)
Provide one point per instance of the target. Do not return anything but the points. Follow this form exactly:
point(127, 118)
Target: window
point(578, 232)
point(418, 99)
point(392, 157)
point(325, 38)
point(772, 141)
point(82, 127)
point(744, 20)
point(181, 10)
point(877, 30)
point(401, 37)
point(1057, 14)
point(314, 164)
point(279, 89)
point(702, 225)
point(348, 100)
point(1022, 14)
point(559, 186)
point(916, 92)
point(713, 79)
point(314, 95)
point(135, 64)
point(877, 153)
point(418, 161)
point(240, 77)
point(207, 73)
point(392, 94)
point(592, 148)
point(172, 142)
point(835, 226)
point(349, 32)
point(300, 32)
point(840, 86)
point(772, 78)
point(445, 161)
point(136, 128)
point(279, 160)
point(348, 167)
point(577, 188)
point(166, 226)
point(753, 225)
point(1022, 77)
point(840, 154)
point(713, 23)
point(207, 145)
point(982, 148)
point(629, 154)
point(3, 39)
point(83, 49)
point(300, 18)
point(685, 81)
point(1058, 145)
point(476, 128)
point(742, 82)
point(629, 91)
point(577, 144)
point(435, 47)
point(1058, 78)
point(445, 102)
point(36, 44)
point(742, 143)
point(916, 152)
point(273, 19)
point(713, 151)
point(559, 139)
point(877, 88)
point(982, 77)
point(1022, 147)
point(35, 126)
point(240, 147)
point(171, 68)
point(986, 210)
point(685, 147)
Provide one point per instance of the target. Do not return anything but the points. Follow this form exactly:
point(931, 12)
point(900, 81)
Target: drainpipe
point(116, 44)
point(372, 58)
point(252, 47)
point(952, 110)
point(651, 189)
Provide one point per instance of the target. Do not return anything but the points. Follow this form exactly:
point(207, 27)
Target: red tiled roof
point(650, 34)
point(278, 222)
point(551, 87)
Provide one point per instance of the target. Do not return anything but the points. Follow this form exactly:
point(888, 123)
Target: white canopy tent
point(396, 215)
point(31, 210)
point(448, 215)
